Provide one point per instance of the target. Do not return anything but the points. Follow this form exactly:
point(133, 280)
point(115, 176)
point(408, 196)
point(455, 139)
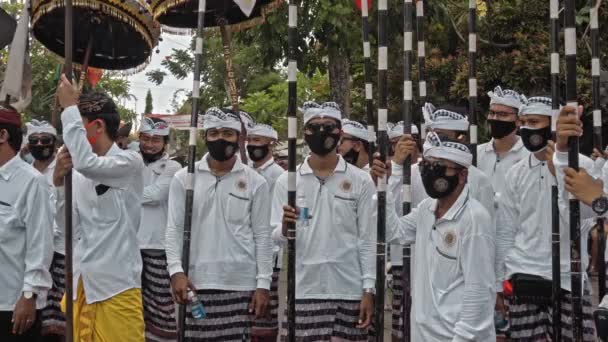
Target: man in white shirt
point(505, 148)
point(454, 287)
point(108, 184)
point(25, 237)
point(336, 247)
point(41, 142)
point(261, 139)
point(524, 234)
point(231, 249)
point(159, 310)
point(354, 144)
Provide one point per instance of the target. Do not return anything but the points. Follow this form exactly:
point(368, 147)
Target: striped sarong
point(324, 319)
point(531, 322)
point(227, 319)
point(53, 320)
point(397, 290)
point(265, 327)
point(159, 308)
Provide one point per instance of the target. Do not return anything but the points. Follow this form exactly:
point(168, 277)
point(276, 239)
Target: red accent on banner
point(94, 75)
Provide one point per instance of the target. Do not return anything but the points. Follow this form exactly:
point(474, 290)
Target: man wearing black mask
point(261, 139)
point(231, 254)
point(41, 141)
point(159, 313)
point(336, 270)
point(354, 144)
point(505, 148)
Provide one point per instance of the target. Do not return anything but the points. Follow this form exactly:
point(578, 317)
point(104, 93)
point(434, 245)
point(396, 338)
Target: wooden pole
point(473, 78)
point(198, 55)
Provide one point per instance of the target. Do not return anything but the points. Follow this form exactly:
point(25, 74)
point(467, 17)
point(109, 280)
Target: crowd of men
point(477, 233)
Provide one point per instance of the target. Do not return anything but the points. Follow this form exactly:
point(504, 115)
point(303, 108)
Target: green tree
point(149, 107)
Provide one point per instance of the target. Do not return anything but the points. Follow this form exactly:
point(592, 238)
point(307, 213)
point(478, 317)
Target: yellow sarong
point(118, 319)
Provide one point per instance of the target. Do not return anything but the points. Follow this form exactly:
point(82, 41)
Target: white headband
point(248, 121)
point(507, 97)
point(444, 119)
point(357, 130)
point(537, 106)
point(313, 110)
point(35, 127)
point(216, 118)
point(449, 150)
point(396, 130)
point(263, 130)
point(148, 126)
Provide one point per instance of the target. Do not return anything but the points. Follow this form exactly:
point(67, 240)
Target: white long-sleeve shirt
point(231, 247)
point(455, 279)
point(108, 222)
point(26, 227)
point(524, 223)
point(271, 172)
point(157, 178)
point(58, 237)
point(495, 166)
point(336, 253)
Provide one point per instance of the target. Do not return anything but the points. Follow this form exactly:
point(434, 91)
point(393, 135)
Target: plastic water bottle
point(501, 324)
point(198, 312)
point(304, 214)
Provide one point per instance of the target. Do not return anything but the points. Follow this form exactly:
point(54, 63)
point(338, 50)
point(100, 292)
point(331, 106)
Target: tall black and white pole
point(198, 58)
point(473, 78)
point(369, 99)
point(421, 54)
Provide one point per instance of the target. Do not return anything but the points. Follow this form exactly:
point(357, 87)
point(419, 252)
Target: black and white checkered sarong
point(159, 308)
point(53, 320)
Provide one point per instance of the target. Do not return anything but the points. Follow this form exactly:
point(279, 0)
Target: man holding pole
point(230, 269)
point(25, 237)
point(107, 208)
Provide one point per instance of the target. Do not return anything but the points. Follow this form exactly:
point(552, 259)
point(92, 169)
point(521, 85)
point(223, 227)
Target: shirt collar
point(305, 168)
point(265, 165)
point(203, 165)
point(10, 167)
point(518, 145)
point(455, 209)
point(534, 162)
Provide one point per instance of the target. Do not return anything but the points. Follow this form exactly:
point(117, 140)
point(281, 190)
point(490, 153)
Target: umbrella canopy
point(123, 32)
point(7, 28)
point(183, 13)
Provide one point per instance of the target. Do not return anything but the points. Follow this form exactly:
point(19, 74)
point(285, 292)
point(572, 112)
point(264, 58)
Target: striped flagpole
point(573, 149)
point(292, 135)
point(198, 55)
point(555, 233)
point(383, 149)
point(421, 54)
point(408, 39)
point(597, 135)
point(369, 101)
point(473, 78)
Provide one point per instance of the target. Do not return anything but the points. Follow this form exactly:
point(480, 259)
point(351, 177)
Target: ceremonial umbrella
point(7, 28)
point(109, 34)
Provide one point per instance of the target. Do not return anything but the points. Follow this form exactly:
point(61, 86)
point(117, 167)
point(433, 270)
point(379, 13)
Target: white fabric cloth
point(58, 236)
point(230, 227)
point(537, 106)
point(271, 172)
point(444, 119)
point(454, 287)
point(357, 130)
point(157, 178)
point(263, 130)
point(26, 240)
point(396, 130)
point(506, 97)
point(313, 110)
point(449, 150)
point(216, 118)
point(336, 256)
point(108, 222)
point(495, 166)
point(36, 127)
point(524, 223)
point(148, 126)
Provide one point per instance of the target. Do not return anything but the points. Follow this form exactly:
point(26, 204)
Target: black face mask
point(257, 153)
point(222, 150)
point(322, 142)
point(41, 152)
point(435, 181)
point(500, 129)
point(535, 139)
point(351, 156)
point(151, 157)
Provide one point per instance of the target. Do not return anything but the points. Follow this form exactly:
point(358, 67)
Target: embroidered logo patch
point(346, 186)
point(441, 185)
point(241, 185)
point(449, 239)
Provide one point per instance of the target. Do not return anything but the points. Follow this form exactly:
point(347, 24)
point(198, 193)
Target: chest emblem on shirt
point(346, 186)
point(449, 239)
point(241, 185)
